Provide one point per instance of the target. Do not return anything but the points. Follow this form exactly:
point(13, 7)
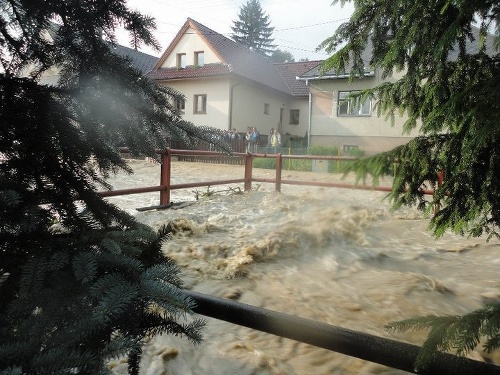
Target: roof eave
point(333, 76)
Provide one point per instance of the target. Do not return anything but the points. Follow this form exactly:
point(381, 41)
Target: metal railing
point(391, 353)
point(372, 348)
point(166, 186)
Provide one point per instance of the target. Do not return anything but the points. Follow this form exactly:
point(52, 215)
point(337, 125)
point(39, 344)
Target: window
point(200, 104)
point(180, 105)
point(181, 61)
point(266, 108)
point(294, 116)
point(348, 106)
point(199, 58)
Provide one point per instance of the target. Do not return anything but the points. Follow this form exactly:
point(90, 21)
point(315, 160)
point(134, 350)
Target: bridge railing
point(247, 179)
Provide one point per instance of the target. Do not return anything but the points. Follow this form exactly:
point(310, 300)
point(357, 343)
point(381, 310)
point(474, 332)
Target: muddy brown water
point(339, 256)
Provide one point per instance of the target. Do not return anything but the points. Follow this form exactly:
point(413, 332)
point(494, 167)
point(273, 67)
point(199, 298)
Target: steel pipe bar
point(206, 183)
point(205, 153)
point(368, 347)
point(114, 193)
point(321, 157)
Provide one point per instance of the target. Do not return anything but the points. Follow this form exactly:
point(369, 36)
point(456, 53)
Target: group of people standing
point(231, 134)
point(252, 139)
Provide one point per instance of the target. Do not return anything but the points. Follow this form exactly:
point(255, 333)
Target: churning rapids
point(338, 256)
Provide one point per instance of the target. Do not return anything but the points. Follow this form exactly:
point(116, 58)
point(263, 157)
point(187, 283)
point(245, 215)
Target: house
point(141, 61)
point(335, 120)
point(347, 124)
point(228, 86)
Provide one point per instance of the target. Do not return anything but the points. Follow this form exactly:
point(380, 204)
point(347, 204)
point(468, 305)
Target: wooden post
point(166, 170)
point(248, 172)
point(278, 173)
point(440, 182)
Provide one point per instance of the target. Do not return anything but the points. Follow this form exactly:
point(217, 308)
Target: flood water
point(338, 256)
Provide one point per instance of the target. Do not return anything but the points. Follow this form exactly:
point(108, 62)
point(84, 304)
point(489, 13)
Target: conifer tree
point(80, 280)
point(252, 29)
point(450, 74)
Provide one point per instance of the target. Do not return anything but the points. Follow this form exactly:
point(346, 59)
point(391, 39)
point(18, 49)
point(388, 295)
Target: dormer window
point(181, 61)
point(199, 58)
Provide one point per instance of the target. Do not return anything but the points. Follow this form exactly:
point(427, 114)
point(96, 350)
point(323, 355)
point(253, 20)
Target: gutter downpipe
point(231, 94)
point(370, 73)
point(309, 125)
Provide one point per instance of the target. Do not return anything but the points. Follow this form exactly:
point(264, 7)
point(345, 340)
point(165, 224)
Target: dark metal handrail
point(395, 354)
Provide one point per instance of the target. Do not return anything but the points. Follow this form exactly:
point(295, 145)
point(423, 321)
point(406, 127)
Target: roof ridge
point(231, 52)
point(235, 58)
point(213, 32)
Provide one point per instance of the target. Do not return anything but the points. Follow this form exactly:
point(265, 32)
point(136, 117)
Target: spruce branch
point(457, 334)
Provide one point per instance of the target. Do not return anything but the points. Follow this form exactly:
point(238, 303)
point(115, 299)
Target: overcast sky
point(299, 25)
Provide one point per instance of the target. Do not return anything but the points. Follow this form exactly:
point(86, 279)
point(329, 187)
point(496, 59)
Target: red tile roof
point(208, 70)
point(291, 70)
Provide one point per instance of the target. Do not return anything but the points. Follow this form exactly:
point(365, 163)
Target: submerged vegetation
point(308, 165)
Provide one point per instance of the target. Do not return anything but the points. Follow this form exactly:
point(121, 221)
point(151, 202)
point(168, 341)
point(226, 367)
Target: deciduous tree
point(450, 68)
point(279, 56)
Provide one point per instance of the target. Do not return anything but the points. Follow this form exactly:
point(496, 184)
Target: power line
point(313, 25)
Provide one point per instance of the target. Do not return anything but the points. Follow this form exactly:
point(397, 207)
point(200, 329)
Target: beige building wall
point(370, 133)
point(238, 103)
point(50, 76)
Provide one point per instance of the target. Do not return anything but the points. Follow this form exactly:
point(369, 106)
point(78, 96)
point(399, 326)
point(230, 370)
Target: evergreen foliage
point(252, 29)
point(449, 66)
point(459, 334)
point(449, 90)
point(80, 280)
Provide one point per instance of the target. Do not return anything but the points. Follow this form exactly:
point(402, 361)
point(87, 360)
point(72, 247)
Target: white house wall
point(300, 130)
point(248, 107)
point(248, 103)
point(217, 91)
point(189, 43)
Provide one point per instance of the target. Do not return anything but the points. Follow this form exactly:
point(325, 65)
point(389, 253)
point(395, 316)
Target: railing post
point(248, 172)
point(440, 182)
point(166, 169)
point(278, 173)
